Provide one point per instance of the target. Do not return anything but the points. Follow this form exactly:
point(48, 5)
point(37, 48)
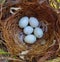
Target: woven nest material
point(13, 35)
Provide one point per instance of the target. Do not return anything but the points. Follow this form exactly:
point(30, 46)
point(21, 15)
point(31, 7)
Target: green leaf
point(3, 52)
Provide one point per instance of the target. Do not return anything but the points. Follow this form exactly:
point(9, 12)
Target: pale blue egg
point(30, 39)
point(23, 22)
point(33, 22)
point(28, 30)
point(38, 32)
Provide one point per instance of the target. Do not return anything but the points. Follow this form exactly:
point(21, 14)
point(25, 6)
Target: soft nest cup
point(13, 34)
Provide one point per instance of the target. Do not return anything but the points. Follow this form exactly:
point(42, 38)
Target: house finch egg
point(23, 22)
point(30, 39)
point(33, 22)
point(38, 32)
point(28, 30)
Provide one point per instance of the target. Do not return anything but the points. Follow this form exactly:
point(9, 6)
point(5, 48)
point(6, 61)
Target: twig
point(9, 58)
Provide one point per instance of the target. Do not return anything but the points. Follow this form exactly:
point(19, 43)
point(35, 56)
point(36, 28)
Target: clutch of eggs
point(30, 25)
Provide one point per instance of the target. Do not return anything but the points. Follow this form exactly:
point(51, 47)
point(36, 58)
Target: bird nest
point(45, 47)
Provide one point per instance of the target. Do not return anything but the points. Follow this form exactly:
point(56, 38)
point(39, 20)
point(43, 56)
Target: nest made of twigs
point(12, 33)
